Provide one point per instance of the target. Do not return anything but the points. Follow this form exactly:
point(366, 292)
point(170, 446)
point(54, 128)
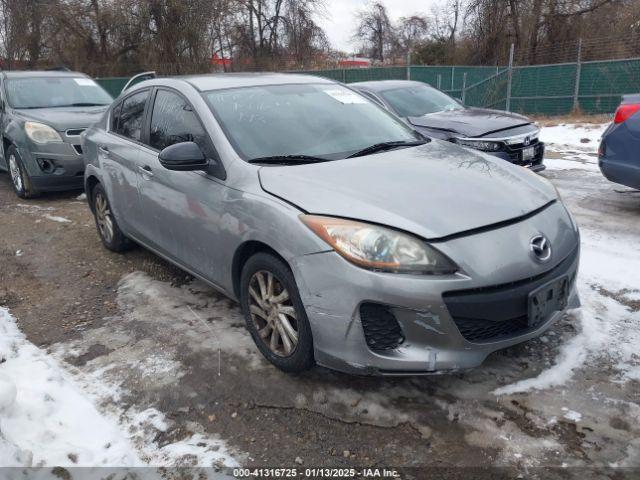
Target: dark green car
point(42, 116)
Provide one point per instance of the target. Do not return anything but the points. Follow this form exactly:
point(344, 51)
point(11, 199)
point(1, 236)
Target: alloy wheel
point(104, 217)
point(273, 313)
point(16, 175)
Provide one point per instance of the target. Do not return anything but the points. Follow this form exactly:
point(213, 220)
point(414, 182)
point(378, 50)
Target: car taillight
point(625, 111)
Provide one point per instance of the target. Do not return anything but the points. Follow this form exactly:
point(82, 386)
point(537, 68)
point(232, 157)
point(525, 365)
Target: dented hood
point(470, 122)
point(433, 190)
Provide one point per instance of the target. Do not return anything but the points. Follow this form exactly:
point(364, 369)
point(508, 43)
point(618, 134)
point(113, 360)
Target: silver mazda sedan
point(349, 240)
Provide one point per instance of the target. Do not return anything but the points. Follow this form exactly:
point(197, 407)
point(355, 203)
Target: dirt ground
point(158, 339)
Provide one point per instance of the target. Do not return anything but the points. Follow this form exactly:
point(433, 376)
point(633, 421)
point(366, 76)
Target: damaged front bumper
point(429, 334)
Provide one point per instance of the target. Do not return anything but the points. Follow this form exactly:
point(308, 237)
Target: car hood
point(64, 118)
point(434, 190)
point(470, 122)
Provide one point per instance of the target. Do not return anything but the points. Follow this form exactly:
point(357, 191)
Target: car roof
point(41, 73)
point(219, 81)
point(383, 85)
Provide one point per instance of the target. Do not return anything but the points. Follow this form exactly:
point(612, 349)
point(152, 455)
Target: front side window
point(131, 116)
point(173, 121)
point(55, 92)
point(325, 120)
point(115, 116)
point(419, 100)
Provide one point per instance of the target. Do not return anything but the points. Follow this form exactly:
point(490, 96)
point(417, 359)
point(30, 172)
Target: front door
point(182, 208)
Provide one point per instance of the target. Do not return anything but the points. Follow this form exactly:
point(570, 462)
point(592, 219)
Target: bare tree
point(304, 37)
point(374, 31)
point(120, 37)
point(411, 31)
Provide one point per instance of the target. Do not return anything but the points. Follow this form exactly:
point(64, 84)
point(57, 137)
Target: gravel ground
point(137, 334)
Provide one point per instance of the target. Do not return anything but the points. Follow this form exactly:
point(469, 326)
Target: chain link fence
point(593, 87)
point(587, 77)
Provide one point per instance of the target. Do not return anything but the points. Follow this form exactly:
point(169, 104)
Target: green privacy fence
point(113, 85)
point(593, 87)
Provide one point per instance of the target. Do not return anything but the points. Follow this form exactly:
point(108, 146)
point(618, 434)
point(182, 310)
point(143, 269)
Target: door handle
point(145, 170)
point(104, 150)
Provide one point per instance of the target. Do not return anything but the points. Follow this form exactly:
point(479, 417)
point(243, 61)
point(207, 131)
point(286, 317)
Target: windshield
point(328, 121)
point(50, 92)
point(419, 100)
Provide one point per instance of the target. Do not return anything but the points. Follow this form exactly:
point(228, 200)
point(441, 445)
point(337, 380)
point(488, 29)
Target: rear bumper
point(620, 173)
point(618, 158)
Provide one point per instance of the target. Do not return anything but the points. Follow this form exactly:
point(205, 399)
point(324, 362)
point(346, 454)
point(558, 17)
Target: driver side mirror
point(182, 157)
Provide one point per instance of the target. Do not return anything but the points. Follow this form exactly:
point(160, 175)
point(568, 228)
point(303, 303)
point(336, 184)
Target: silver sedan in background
point(349, 240)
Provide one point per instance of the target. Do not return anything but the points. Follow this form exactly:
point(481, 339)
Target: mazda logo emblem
point(540, 248)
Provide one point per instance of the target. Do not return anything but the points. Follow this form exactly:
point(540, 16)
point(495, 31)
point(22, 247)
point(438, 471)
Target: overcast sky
point(339, 21)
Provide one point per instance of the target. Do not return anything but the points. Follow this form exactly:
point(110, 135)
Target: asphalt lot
point(146, 341)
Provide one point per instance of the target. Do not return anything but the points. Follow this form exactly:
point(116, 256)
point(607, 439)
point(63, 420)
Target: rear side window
point(131, 113)
point(173, 121)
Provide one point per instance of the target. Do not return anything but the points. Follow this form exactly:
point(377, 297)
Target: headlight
point(41, 133)
point(379, 248)
point(479, 145)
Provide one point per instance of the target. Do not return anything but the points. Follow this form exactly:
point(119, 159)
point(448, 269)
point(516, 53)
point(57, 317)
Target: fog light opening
point(382, 331)
point(46, 165)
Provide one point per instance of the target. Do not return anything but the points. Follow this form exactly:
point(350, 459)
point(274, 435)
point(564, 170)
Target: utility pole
point(509, 78)
point(576, 88)
point(464, 87)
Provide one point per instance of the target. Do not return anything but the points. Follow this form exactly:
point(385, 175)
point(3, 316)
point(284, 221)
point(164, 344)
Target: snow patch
point(583, 137)
point(608, 328)
point(8, 393)
point(55, 218)
point(633, 296)
point(214, 321)
point(571, 415)
point(197, 450)
point(45, 418)
point(33, 208)
point(573, 161)
point(48, 416)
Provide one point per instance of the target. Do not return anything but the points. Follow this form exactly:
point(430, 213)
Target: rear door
point(182, 209)
point(119, 154)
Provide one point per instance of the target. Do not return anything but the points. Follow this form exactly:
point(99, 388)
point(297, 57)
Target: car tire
point(264, 307)
point(18, 175)
point(108, 229)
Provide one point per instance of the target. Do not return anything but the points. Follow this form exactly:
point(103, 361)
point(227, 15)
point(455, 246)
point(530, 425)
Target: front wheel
point(19, 177)
point(274, 313)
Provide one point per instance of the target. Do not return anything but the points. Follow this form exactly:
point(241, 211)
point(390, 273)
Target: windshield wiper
point(381, 147)
point(288, 159)
point(89, 104)
point(82, 104)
